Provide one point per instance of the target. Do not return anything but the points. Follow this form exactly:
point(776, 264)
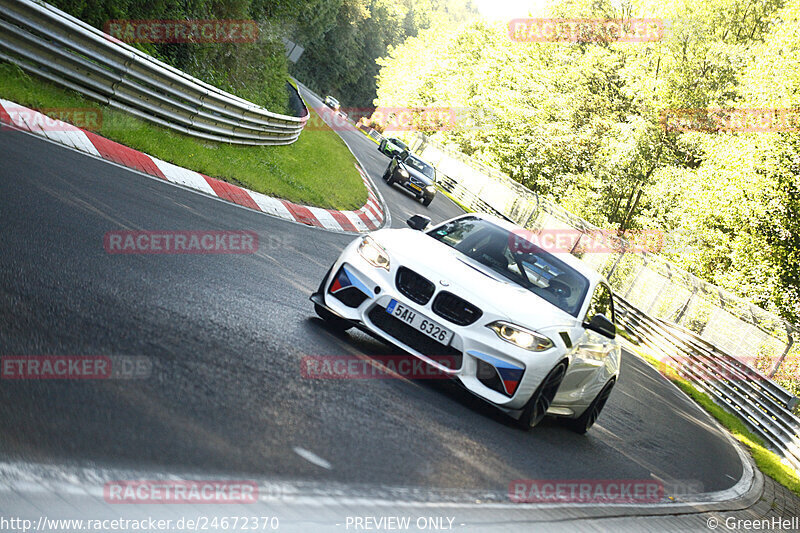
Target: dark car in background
point(392, 146)
point(414, 174)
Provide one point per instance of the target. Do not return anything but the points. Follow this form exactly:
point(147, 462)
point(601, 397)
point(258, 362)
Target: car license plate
point(419, 322)
point(415, 187)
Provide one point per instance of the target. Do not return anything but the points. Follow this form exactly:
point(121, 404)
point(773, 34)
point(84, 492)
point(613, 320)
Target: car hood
point(417, 174)
point(471, 280)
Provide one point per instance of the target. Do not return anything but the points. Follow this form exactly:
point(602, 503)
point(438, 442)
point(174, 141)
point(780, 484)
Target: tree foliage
point(341, 60)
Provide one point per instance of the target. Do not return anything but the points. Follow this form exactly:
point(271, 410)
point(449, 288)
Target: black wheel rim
point(598, 405)
point(548, 392)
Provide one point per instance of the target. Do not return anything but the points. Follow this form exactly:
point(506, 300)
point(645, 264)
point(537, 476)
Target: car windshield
point(420, 166)
point(521, 262)
point(397, 142)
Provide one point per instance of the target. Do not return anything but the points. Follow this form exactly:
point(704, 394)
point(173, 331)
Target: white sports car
point(530, 331)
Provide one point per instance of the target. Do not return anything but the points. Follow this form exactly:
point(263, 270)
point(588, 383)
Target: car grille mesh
point(411, 337)
point(455, 309)
point(414, 286)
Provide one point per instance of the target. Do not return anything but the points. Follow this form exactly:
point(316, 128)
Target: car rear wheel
point(536, 408)
point(589, 417)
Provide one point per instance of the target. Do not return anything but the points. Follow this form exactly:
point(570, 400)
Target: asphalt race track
point(226, 334)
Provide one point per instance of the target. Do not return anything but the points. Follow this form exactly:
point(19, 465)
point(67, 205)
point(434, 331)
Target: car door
point(594, 358)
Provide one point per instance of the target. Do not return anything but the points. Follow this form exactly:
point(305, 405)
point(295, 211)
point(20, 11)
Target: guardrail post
point(685, 306)
point(616, 263)
point(779, 362)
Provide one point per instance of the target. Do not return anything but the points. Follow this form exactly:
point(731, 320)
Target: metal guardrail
point(50, 43)
point(762, 404)
point(465, 196)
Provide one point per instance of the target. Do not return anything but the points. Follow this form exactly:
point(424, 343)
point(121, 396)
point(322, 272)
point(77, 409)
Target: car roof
point(591, 274)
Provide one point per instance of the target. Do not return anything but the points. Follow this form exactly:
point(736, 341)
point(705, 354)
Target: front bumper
point(485, 365)
point(419, 191)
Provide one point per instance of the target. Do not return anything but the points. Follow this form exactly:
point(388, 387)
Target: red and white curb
point(369, 217)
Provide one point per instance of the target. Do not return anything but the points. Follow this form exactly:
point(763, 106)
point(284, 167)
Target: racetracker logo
point(170, 491)
point(51, 118)
point(402, 118)
point(181, 242)
point(75, 367)
point(597, 241)
point(758, 120)
point(598, 491)
point(182, 31)
point(730, 370)
point(388, 367)
point(546, 30)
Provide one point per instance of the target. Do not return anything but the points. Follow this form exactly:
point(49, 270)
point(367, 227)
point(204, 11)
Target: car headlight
point(431, 189)
point(519, 336)
point(403, 172)
point(373, 253)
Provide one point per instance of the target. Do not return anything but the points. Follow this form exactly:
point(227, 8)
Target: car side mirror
point(418, 222)
point(602, 325)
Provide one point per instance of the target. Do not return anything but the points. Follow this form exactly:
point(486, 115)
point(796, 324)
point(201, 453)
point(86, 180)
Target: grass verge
point(317, 169)
point(767, 461)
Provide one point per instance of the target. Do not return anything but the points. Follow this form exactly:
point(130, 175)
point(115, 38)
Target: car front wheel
point(536, 408)
point(427, 201)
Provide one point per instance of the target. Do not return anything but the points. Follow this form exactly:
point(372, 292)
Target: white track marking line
point(311, 457)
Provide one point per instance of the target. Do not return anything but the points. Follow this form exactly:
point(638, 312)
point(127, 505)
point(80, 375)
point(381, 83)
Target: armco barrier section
point(50, 43)
point(763, 405)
